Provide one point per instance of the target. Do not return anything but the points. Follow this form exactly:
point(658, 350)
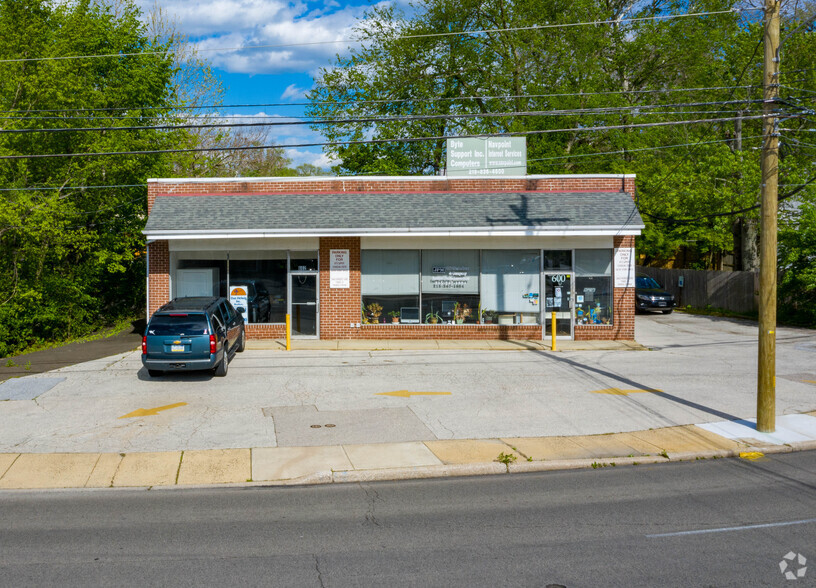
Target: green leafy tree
point(71, 257)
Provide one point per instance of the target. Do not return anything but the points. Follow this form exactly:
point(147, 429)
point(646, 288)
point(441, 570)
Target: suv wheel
point(667, 311)
point(155, 373)
point(221, 368)
point(242, 342)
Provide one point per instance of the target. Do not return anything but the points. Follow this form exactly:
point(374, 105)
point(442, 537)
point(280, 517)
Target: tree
point(70, 252)
point(554, 84)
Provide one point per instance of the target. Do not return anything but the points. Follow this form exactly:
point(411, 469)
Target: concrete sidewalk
point(389, 461)
point(434, 344)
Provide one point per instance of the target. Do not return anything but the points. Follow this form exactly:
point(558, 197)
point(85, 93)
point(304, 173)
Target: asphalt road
point(705, 523)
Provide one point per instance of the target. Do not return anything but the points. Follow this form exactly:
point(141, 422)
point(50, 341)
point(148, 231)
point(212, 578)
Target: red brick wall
point(340, 308)
point(158, 282)
point(565, 183)
point(623, 311)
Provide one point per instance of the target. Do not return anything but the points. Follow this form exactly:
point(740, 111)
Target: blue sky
point(263, 76)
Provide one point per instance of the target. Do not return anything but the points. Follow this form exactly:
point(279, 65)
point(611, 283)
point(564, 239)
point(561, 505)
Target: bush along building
point(402, 257)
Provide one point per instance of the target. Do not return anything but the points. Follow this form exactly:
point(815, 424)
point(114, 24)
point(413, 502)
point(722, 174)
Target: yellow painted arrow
point(752, 455)
point(408, 393)
point(151, 411)
point(619, 392)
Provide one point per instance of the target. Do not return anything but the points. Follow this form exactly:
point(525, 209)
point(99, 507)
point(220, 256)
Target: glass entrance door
point(558, 298)
point(304, 308)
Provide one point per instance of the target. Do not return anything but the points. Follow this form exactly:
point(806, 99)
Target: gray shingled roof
point(312, 213)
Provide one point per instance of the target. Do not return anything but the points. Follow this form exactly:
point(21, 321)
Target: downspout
point(147, 306)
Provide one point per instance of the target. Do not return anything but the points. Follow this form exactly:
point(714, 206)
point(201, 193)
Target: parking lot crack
point(372, 496)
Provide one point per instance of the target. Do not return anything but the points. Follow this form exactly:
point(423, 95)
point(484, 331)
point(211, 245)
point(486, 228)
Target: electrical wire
point(672, 220)
point(396, 38)
point(384, 119)
point(380, 141)
point(389, 101)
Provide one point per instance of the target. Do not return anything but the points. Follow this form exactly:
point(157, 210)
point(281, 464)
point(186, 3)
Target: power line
point(380, 141)
point(580, 155)
point(390, 101)
point(396, 38)
point(678, 221)
point(402, 118)
point(275, 117)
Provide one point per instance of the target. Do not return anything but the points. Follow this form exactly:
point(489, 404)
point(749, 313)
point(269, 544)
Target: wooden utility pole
point(766, 373)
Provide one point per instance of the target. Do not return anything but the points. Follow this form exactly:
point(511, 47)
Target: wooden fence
point(734, 291)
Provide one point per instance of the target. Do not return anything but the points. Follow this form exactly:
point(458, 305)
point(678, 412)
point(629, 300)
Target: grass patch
point(102, 333)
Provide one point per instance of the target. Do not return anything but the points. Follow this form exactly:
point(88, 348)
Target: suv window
point(217, 321)
point(226, 310)
point(177, 325)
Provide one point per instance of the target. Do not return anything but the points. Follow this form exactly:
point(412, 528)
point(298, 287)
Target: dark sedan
point(650, 295)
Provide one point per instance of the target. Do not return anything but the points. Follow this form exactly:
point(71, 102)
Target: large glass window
point(450, 285)
point(390, 286)
point(200, 277)
point(510, 285)
point(264, 281)
point(593, 286)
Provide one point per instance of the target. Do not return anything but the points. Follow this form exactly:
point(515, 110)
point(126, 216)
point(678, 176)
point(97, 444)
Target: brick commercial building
point(402, 257)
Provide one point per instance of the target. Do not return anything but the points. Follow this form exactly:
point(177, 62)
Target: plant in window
point(488, 316)
point(394, 314)
point(460, 312)
point(433, 318)
point(374, 311)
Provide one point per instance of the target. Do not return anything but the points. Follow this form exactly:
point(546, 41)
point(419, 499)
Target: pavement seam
point(178, 470)
point(13, 461)
point(96, 463)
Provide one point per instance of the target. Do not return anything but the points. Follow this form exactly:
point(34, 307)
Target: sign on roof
point(493, 156)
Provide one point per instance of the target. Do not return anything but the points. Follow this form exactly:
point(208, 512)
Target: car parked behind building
point(650, 295)
point(193, 333)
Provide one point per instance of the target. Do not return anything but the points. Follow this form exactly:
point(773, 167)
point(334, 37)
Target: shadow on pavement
point(635, 385)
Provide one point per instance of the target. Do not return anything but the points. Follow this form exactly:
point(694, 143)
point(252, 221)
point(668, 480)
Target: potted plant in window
point(374, 311)
point(488, 316)
point(432, 318)
point(460, 312)
point(394, 314)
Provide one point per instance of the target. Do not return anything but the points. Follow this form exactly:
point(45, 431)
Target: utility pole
point(766, 372)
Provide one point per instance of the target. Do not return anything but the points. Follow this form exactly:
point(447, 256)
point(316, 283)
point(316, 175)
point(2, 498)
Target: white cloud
point(292, 92)
point(290, 27)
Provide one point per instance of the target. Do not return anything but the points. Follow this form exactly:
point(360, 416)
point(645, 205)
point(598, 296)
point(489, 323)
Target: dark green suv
point(194, 333)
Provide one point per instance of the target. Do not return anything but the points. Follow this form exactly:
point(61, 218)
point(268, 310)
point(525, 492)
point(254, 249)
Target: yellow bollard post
point(552, 329)
point(288, 332)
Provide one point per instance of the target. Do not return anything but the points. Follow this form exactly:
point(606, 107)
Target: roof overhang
point(596, 231)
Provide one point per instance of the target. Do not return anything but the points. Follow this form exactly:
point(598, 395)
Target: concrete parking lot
point(696, 370)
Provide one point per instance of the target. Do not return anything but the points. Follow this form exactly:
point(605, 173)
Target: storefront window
point(557, 260)
point(264, 281)
point(510, 287)
point(593, 286)
point(200, 277)
point(390, 286)
point(450, 286)
point(302, 261)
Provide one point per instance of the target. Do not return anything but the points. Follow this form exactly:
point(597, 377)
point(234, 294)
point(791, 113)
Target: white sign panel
point(339, 268)
point(625, 268)
point(493, 156)
point(238, 299)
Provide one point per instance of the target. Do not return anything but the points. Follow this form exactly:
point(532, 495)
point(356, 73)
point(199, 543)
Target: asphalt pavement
point(349, 411)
